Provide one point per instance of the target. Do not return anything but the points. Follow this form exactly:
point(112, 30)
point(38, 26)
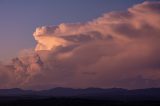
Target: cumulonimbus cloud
point(118, 49)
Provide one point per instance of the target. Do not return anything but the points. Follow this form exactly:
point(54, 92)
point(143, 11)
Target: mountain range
point(152, 94)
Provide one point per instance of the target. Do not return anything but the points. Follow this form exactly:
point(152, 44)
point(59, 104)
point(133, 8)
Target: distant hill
point(89, 93)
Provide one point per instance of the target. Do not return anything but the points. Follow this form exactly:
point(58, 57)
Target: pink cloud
point(119, 49)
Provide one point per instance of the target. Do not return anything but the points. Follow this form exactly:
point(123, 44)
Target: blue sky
point(19, 18)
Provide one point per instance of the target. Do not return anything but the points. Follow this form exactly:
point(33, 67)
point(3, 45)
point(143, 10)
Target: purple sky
point(19, 18)
point(79, 43)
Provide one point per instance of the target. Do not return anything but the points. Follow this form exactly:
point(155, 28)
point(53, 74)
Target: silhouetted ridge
point(89, 93)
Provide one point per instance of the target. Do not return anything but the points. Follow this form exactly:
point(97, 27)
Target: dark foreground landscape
point(80, 97)
point(75, 102)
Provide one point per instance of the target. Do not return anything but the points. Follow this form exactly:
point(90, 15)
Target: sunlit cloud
point(118, 49)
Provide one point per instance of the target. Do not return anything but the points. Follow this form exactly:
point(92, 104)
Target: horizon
point(109, 88)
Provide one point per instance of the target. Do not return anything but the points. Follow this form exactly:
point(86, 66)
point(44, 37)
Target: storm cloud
point(118, 49)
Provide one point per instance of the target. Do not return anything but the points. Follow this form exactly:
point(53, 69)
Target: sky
point(19, 18)
point(79, 44)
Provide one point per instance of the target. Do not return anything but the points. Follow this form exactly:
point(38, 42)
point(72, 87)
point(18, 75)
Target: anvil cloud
point(118, 49)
